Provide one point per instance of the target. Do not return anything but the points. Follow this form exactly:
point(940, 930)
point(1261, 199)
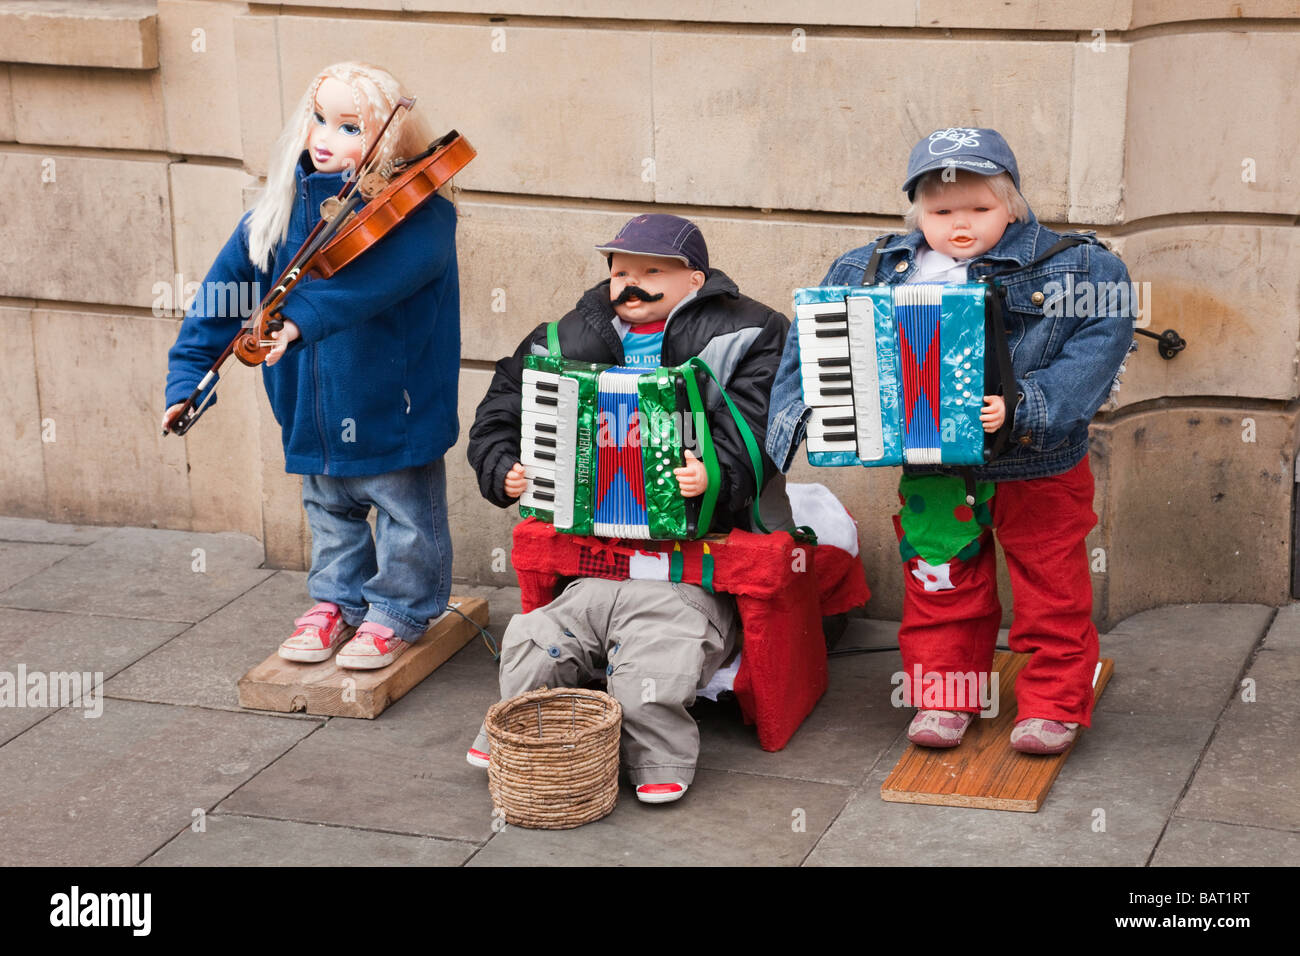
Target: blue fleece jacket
point(371, 385)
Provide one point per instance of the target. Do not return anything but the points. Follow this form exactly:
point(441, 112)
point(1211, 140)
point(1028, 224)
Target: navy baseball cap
point(982, 151)
point(658, 234)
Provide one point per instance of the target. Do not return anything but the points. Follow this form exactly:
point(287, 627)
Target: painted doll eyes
point(348, 129)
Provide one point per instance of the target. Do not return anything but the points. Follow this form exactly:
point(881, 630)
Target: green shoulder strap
point(553, 339)
point(707, 455)
point(755, 459)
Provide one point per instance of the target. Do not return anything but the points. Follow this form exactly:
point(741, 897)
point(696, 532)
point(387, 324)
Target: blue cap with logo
point(659, 234)
point(982, 151)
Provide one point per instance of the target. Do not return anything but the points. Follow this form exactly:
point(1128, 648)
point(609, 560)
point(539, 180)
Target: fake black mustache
point(636, 292)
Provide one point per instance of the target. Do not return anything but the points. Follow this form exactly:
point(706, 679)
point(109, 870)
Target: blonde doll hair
point(375, 92)
point(1000, 185)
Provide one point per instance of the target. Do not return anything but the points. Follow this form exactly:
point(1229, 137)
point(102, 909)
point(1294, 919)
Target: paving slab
point(1205, 843)
point(725, 819)
point(20, 560)
point(202, 666)
point(1131, 768)
point(50, 642)
point(847, 732)
point(1251, 773)
point(112, 790)
point(46, 532)
point(230, 840)
point(146, 573)
point(1180, 659)
point(1284, 633)
point(406, 767)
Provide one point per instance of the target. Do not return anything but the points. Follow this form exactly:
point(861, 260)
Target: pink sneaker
point(373, 647)
point(319, 634)
point(1035, 735)
point(938, 728)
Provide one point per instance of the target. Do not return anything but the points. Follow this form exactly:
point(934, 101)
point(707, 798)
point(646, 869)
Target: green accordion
point(599, 444)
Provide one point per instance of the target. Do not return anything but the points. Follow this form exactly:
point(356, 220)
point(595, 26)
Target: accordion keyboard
point(837, 352)
point(548, 445)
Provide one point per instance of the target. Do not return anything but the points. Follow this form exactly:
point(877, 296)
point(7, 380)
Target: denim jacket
point(1066, 352)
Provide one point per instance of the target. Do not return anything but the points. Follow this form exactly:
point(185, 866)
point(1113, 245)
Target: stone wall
point(132, 134)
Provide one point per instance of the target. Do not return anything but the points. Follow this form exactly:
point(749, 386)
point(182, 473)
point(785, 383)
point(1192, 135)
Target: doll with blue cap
point(968, 221)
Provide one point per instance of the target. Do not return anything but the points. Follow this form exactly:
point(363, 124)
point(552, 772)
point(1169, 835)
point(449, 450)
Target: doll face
point(963, 219)
point(671, 280)
point(334, 140)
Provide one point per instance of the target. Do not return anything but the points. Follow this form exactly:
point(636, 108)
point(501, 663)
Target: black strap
point(873, 264)
point(995, 337)
point(1060, 245)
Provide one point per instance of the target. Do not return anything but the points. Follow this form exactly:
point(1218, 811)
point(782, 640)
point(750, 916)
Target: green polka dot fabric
point(937, 523)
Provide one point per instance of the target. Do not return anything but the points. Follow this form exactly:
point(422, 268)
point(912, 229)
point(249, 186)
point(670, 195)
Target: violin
point(344, 233)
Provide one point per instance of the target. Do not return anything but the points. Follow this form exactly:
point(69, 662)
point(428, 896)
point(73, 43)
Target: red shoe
point(1035, 735)
point(660, 792)
point(938, 728)
point(477, 758)
point(374, 646)
point(319, 634)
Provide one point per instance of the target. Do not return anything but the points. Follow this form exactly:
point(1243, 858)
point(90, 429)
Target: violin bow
point(349, 194)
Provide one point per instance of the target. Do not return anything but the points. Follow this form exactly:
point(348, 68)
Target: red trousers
point(1041, 524)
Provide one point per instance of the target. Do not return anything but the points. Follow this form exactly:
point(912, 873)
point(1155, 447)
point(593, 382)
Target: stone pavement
point(1181, 766)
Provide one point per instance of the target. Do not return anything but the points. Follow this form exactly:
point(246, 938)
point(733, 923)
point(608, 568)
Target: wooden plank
point(983, 771)
point(330, 691)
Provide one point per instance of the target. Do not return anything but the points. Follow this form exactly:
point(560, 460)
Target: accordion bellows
point(893, 374)
point(599, 444)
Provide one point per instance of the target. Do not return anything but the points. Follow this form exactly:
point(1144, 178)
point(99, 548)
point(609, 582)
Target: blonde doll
point(362, 379)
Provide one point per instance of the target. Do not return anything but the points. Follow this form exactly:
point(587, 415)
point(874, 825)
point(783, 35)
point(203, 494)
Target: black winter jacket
point(739, 338)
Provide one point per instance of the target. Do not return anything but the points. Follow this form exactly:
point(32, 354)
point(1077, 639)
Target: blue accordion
point(894, 374)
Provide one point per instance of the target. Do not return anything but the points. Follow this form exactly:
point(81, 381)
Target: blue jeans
point(400, 579)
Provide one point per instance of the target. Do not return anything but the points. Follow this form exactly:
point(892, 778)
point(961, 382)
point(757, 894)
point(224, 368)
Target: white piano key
point(812, 349)
point(818, 390)
point(811, 310)
point(838, 437)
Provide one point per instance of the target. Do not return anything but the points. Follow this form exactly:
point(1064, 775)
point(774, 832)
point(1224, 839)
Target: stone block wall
point(133, 133)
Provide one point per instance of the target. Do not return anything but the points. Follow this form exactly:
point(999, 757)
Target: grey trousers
point(654, 643)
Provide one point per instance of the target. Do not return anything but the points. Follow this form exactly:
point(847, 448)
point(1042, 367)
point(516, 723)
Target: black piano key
point(832, 317)
point(545, 456)
point(543, 482)
point(832, 333)
point(837, 391)
point(543, 496)
point(547, 387)
point(836, 377)
point(833, 362)
point(544, 427)
point(836, 422)
point(839, 436)
point(547, 400)
point(545, 442)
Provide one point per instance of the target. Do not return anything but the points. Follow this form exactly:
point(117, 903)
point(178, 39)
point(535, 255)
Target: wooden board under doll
point(330, 691)
point(983, 771)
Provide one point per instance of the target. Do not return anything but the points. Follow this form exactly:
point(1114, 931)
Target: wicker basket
point(554, 757)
